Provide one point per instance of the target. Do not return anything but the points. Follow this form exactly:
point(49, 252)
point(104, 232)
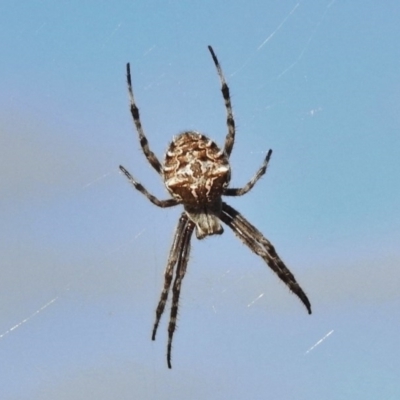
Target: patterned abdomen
point(195, 170)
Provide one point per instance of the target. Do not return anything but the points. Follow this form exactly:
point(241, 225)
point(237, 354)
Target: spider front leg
point(252, 182)
point(174, 254)
point(153, 199)
point(176, 290)
point(151, 157)
point(255, 240)
point(230, 137)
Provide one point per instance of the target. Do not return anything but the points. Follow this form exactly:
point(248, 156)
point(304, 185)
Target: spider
point(196, 173)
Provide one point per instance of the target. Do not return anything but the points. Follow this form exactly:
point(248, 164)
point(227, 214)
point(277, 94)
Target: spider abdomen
point(195, 170)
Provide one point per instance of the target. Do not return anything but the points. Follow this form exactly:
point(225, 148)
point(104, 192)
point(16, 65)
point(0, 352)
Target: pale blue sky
point(83, 253)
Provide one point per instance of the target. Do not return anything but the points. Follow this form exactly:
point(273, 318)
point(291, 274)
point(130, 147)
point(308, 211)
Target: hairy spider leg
point(230, 137)
point(174, 254)
point(151, 157)
point(138, 186)
point(255, 240)
point(252, 182)
point(176, 289)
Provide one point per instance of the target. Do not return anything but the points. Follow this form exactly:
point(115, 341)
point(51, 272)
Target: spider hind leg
point(144, 143)
point(230, 122)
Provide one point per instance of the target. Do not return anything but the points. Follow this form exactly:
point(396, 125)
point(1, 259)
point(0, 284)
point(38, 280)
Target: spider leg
point(252, 182)
point(230, 137)
point(254, 239)
point(153, 199)
point(176, 290)
point(151, 157)
point(172, 259)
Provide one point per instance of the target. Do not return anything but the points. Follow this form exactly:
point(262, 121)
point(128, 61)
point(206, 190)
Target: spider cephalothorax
point(197, 174)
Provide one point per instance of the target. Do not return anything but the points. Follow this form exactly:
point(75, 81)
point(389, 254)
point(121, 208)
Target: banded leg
point(176, 290)
point(254, 239)
point(252, 182)
point(151, 157)
point(153, 199)
point(174, 253)
point(230, 137)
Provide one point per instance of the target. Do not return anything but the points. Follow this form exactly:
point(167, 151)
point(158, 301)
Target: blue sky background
point(83, 253)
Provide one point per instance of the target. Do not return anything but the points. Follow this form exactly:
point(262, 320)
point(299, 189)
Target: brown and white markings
point(196, 173)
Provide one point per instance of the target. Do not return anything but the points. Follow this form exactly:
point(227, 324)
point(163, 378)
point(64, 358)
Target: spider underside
point(197, 174)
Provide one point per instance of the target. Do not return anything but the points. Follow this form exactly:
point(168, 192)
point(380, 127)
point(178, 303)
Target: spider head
point(206, 219)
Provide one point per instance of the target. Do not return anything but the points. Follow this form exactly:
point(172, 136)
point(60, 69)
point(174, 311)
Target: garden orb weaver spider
point(197, 173)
